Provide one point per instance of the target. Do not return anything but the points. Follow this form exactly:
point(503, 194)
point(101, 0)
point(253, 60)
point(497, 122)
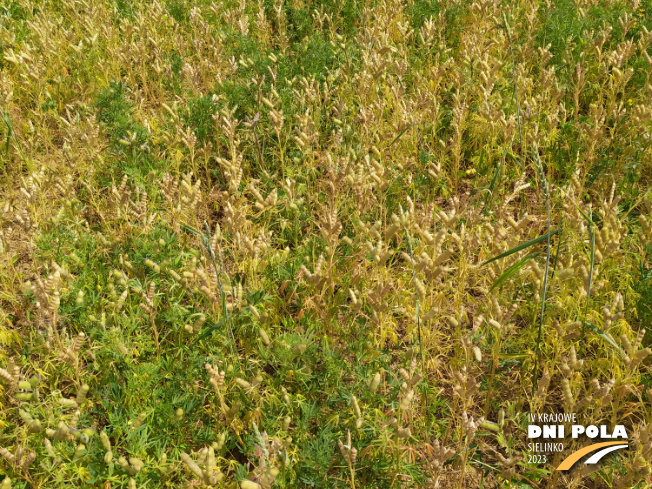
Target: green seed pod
point(501, 417)
point(132, 483)
point(221, 439)
point(179, 414)
point(242, 383)
point(258, 379)
point(6, 484)
point(80, 451)
point(34, 426)
point(24, 415)
point(375, 383)
point(152, 265)
point(356, 407)
point(488, 425)
point(264, 337)
point(24, 385)
point(70, 403)
point(254, 311)
point(286, 396)
point(80, 298)
point(246, 484)
point(24, 396)
point(108, 457)
point(210, 462)
point(81, 394)
point(34, 381)
point(136, 463)
point(194, 468)
point(286, 423)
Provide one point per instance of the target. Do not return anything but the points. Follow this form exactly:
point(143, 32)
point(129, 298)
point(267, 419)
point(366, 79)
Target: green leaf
point(605, 336)
point(401, 133)
point(513, 269)
point(209, 331)
point(585, 216)
point(190, 229)
point(520, 247)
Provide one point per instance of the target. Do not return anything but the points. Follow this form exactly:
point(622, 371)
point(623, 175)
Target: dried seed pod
point(404, 374)
point(196, 328)
point(407, 400)
point(79, 341)
point(404, 433)
point(263, 336)
point(194, 468)
point(375, 383)
point(568, 395)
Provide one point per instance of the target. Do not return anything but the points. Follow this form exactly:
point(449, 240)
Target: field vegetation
point(322, 244)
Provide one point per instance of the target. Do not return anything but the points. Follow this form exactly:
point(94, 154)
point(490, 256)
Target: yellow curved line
point(570, 461)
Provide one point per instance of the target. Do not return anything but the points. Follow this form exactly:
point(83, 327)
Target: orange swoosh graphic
point(570, 461)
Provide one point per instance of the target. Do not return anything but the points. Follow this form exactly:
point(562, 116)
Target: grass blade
point(400, 134)
point(588, 292)
point(604, 335)
point(523, 246)
point(546, 193)
point(514, 268)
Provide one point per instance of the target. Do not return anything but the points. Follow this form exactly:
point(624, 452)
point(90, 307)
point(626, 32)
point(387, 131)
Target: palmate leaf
point(520, 247)
point(514, 268)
